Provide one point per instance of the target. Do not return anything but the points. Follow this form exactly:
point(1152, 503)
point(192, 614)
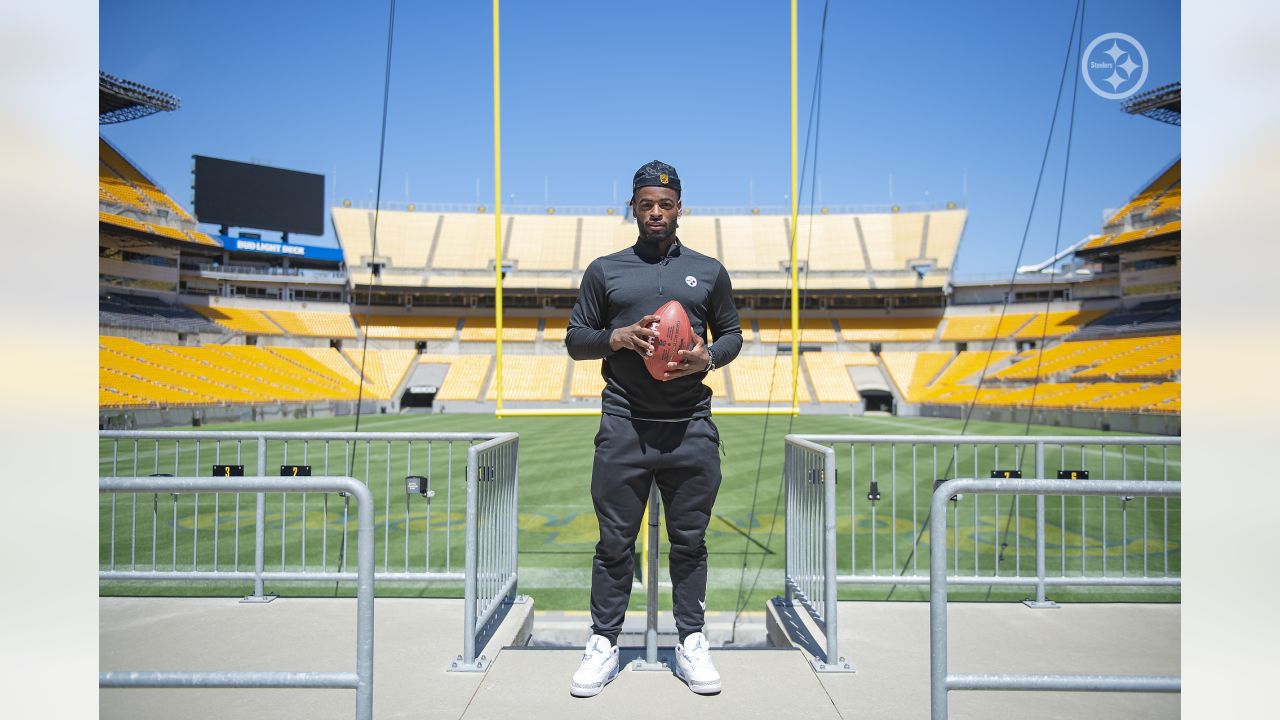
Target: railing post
point(364, 605)
point(788, 469)
point(468, 658)
point(1040, 601)
point(650, 661)
point(834, 661)
point(259, 532)
point(938, 603)
point(651, 592)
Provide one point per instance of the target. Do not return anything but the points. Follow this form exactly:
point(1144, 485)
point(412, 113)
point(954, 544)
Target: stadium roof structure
point(1163, 103)
point(121, 100)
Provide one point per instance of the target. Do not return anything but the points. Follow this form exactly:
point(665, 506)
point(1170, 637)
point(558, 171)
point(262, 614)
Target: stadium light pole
point(497, 207)
point(795, 212)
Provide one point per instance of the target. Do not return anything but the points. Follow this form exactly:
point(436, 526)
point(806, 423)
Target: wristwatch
point(711, 362)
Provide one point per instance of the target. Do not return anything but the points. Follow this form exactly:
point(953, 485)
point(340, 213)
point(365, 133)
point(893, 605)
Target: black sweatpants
point(630, 455)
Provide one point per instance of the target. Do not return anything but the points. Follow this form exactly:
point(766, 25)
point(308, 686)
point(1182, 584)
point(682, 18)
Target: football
point(674, 334)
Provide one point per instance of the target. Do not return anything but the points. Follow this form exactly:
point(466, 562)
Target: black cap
point(656, 174)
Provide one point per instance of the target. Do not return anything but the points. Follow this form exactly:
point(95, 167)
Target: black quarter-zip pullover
point(618, 290)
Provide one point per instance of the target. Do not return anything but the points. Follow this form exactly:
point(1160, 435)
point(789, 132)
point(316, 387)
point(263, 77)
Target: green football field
point(557, 528)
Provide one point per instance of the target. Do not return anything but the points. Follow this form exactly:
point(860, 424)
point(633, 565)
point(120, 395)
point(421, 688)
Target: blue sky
point(930, 93)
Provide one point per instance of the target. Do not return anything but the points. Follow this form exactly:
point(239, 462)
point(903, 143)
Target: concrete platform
point(414, 641)
point(761, 684)
point(888, 644)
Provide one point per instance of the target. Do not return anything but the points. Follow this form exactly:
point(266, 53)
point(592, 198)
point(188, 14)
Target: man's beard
point(654, 238)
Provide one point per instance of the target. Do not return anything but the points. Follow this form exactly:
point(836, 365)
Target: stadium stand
point(1146, 318)
point(760, 379)
point(1131, 236)
point(384, 370)
point(716, 382)
point(325, 362)
point(1122, 357)
point(122, 185)
point(751, 242)
point(1163, 184)
point(450, 249)
point(139, 311)
point(777, 330)
point(542, 242)
point(829, 372)
point(531, 377)
point(962, 367)
point(408, 327)
point(514, 329)
point(1145, 358)
point(983, 327)
point(1155, 211)
point(465, 377)
point(153, 196)
point(911, 372)
point(466, 242)
point(554, 330)
point(241, 320)
point(159, 375)
point(1057, 324)
point(889, 329)
point(586, 381)
point(602, 235)
point(829, 243)
point(313, 324)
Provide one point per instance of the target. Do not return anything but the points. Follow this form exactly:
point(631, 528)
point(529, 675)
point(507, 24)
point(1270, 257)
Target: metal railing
point(892, 477)
point(361, 680)
point(940, 680)
point(492, 489)
point(443, 532)
point(215, 269)
point(809, 470)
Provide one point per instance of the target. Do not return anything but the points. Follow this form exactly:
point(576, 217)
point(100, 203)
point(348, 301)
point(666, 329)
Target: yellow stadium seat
point(531, 377)
point(241, 320)
point(314, 324)
point(889, 329)
point(983, 327)
point(763, 379)
point(514, 329)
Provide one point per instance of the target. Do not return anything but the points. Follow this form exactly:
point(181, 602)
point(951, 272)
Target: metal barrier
point(1009, 545)
point(492, 486)
point(940, 680)
point(809, 470)
point(424, 531)
point(361, 680)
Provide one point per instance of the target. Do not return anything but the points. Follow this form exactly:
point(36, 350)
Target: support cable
point(812, 133)
point(375, 276)
point(1077, 20)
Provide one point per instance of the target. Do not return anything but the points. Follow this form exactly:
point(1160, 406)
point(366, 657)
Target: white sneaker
point(694, 666)
point(599, 666)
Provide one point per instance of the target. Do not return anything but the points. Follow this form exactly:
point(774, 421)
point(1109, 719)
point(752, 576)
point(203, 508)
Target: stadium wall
point(1140, 423)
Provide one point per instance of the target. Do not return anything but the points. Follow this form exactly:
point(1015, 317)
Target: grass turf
point(557, 525)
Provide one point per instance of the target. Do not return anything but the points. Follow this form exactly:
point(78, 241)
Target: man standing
point(651, 430)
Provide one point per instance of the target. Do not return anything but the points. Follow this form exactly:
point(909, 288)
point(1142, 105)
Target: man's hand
point(691, 361)
point(638, 337)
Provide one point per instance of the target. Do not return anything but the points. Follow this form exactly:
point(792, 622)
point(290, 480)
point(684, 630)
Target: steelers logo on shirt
point(691, 281)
